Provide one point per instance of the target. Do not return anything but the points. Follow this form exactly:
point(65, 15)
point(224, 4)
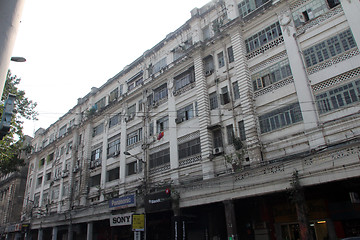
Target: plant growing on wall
point(236, 158)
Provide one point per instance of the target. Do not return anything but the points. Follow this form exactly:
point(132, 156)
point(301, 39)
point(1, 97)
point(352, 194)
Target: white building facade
point(204, 133)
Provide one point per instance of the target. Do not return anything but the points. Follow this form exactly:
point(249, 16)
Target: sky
point(73, 45)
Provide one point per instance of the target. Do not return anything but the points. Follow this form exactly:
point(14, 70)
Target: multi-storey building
point(209, 132)
point(12, 187)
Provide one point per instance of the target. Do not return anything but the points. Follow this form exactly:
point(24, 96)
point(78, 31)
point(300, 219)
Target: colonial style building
point(228, 128)
point(12, 187)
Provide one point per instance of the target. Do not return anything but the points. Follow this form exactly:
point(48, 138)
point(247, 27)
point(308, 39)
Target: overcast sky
point(73, 45)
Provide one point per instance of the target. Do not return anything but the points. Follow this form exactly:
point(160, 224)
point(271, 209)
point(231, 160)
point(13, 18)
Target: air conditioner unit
point(218, 150)
point(97, 163)
point(208, 73)
point(116, 153)
point(155, 104)
point(178, 120)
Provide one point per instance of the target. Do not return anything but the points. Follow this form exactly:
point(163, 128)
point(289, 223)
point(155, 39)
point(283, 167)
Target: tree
point(12, 144)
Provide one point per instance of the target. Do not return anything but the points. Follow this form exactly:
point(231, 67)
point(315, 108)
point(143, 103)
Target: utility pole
point(298, 198)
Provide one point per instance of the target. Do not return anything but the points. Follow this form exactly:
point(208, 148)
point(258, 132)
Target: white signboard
point(121, 219)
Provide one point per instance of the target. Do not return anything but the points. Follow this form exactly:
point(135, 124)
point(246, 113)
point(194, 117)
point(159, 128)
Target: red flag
point(161, 134)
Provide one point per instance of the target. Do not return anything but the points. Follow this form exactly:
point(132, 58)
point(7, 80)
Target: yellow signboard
point(138, 222)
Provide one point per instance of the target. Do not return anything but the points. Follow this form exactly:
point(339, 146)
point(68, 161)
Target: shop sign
point(158, 201)
point(138, 222)
point(122, 202)
point(121, 219)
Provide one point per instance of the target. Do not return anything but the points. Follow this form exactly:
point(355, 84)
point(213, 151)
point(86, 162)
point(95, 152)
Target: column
point(204, 118)
point(301, 81)
point(352, 9)
point(40, 234)
point(89, 232)
point(123, 142)
point(54, 233)
point(245, 89)
point(85, 164)
point(174, 159)
point(230, 220)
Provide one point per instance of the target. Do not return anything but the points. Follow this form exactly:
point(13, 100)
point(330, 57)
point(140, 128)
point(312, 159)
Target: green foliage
point(12, 144)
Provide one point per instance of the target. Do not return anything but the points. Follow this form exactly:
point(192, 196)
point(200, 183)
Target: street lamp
point(18, 59)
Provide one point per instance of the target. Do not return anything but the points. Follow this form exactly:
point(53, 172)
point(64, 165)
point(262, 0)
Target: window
point(206, 33)
point(45, 143)
point(39, 181)
point(213, 100)
point(140, 105)
point(159, 65)
point(162, 124)
point(230, 54)
point(224, 96)
point(160, 92)
point(100, 104)
point(45, 198)
point(95, 180)
point(309, 11)
point(217, 138)
point(159, 158)
point(189, 148)
point(221, 61)
point(208, 65)
point(264, 36)
point(113, 148)
point(242, 130)
point(185, 113)
point(338, 97)
point(114, 95)
point(247, 6)
point(131, 111)
point(134, 137)
point(236, 90)
point(37, 200)
point(48, 177)
point(280, 118)
point(69, 147)
point(329, 48)
point(270, 75)
point(151, 129)
point(112, 174)
point(96, 154)
point(62, 131)
point(184, 79)
point(65, 191)
point(113, 121)
point(135, 81)
point(230, 133)
point(55, 193)
point(98, 129)
point(41, 162)
point(131, 168)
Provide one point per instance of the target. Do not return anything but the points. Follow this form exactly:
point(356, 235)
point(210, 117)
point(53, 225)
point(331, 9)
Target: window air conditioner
point(218, 150)
point(178, 120)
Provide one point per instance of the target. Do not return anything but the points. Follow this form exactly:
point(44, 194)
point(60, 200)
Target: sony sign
point(121, 219)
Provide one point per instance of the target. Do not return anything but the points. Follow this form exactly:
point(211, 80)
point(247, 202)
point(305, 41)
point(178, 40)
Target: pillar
point(230, 220)
point(54, 233)
point(301, 81)
point(247, 103)
point(89, 232)
point(351, 9)
point(204, 118)
point(40, 234)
